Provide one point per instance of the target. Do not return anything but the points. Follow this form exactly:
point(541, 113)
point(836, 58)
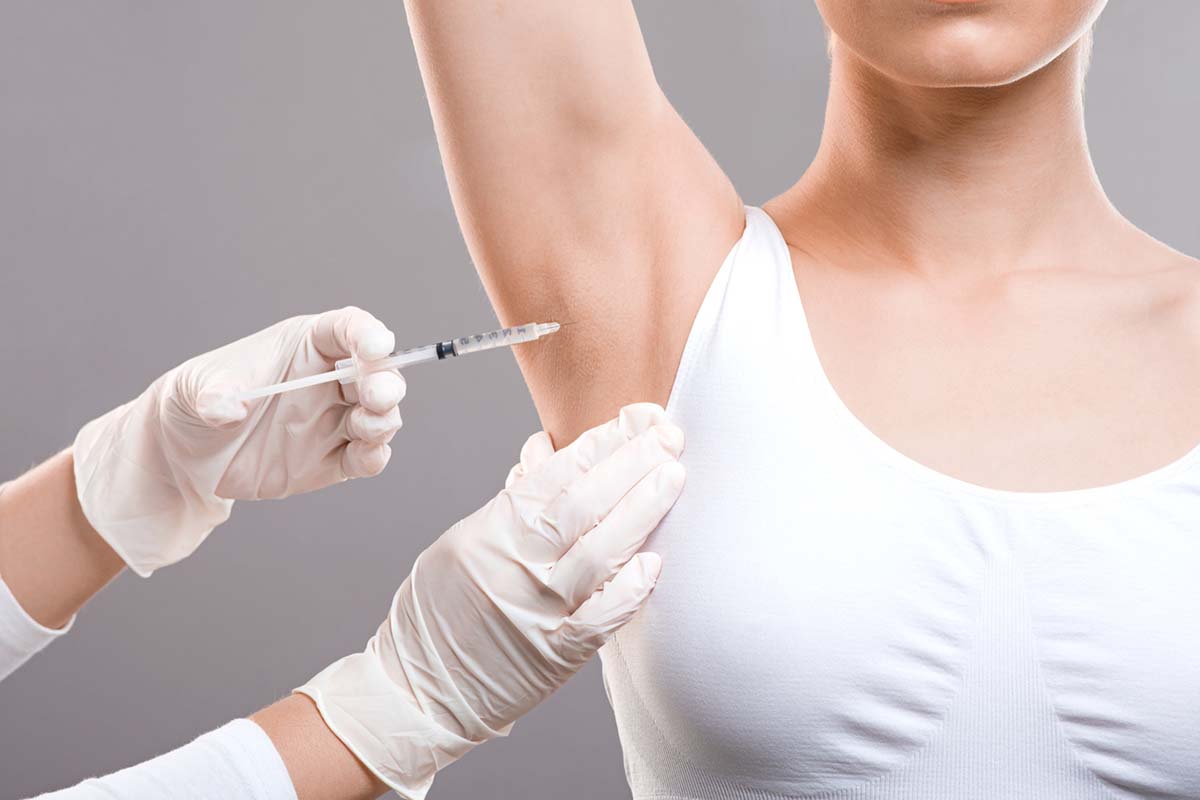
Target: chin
point(976, 43)
point(967, 56)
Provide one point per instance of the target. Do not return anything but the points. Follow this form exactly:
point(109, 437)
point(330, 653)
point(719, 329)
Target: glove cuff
point(130, 495)
point(396, 707)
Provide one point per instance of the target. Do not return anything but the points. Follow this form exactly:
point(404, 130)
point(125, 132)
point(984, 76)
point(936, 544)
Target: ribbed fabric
point(835, 621)
point(236, 761)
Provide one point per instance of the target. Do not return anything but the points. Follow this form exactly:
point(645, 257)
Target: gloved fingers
point(379, 391)
point(594, 445)
point(350, 331)
point(366, 426)
point(364, 460)
point(536, 451)
point(600, 553)
point(590, 497)
point(608, 608)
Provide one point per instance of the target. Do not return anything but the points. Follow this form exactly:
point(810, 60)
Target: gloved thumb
point(536, 451)
point(217, 404)
point(609, 608)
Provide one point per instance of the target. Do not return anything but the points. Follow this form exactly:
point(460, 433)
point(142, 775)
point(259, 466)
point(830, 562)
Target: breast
point(821, 625)
point(808, 632)
point(1114, 604)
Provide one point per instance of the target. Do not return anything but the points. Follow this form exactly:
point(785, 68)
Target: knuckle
point(515, 474)
point(587, 455)
point(354, 424)
point(544, 523)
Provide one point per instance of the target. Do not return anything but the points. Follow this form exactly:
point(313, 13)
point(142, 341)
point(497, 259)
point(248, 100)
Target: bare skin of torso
point(1035, 380)
point(977, 302)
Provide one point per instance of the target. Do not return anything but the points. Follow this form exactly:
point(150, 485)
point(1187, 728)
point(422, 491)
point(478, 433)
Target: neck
point(942, 179)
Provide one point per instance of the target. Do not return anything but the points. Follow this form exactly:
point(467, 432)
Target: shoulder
point(1179, 297)
point(1159, 291)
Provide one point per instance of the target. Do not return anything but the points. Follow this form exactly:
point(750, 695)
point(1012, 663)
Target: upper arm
point(583, 196)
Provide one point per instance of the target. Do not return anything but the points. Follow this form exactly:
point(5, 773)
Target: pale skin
point(975, 299)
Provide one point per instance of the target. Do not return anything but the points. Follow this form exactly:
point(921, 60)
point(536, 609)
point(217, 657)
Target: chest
point(1027, 383)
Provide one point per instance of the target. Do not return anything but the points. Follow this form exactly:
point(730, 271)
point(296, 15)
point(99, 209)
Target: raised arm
point(583, 196)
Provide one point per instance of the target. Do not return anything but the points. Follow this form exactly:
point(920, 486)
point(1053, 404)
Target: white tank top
point(835, 620)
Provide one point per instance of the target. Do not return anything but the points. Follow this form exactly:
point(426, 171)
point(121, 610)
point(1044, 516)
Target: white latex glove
point(157, 474)
point(509, 603)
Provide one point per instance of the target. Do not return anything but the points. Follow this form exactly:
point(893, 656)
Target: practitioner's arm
point(496, 614)
point(284, 752)
point(319, 765)
point(583, 196)
point(51, 558)
point(145, 483)
point(508, 603)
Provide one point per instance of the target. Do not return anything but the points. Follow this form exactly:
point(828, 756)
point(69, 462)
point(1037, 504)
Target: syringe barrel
point(492, 339)
point(404, 358)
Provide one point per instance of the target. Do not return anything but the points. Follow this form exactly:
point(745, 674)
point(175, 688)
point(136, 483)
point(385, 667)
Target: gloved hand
point(157, 474)
point(509, 603)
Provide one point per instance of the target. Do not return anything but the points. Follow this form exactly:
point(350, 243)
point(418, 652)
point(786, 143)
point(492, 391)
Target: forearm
point(51, 558)
point(320, 766)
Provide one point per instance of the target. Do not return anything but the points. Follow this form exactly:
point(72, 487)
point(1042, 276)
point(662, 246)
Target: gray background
point(174, 175)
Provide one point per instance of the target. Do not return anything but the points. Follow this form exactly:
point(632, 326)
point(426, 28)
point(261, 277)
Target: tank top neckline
point(904, 464)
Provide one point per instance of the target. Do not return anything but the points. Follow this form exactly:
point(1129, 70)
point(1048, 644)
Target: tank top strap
point(751, 317)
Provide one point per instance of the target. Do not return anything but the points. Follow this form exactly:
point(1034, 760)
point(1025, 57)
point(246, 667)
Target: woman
point(496, 614)
point(939, 537)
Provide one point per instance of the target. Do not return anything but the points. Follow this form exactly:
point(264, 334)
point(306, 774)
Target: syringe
point(347, 370)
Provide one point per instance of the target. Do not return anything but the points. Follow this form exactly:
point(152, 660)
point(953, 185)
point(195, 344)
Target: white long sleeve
point(21, 636)
point(235, 762)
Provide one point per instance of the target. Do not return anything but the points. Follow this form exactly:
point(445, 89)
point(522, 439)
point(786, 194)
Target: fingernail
point(670, 478)
point(376, 344)
point(651, 564)
point(374, 395)
point(383, 389)
point(671, 436)
point(636, 418)
point(375, 426)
